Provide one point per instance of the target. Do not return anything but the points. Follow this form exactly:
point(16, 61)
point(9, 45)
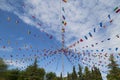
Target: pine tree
point(74, 74)
point(80, 75)
point(87, 74)
point(114, 72)
point(69, 77)
point(3, 68)
point(34, 73)
point(13, 74)
point(96, 74)
point(61, 76)
point(51, 76)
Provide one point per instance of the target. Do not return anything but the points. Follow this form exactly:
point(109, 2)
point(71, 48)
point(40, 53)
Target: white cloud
point(6, 49)
point(17, 64)
point(81, 16)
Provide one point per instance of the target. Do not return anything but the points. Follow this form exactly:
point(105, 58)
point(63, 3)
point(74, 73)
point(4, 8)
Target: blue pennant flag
point(101, 24)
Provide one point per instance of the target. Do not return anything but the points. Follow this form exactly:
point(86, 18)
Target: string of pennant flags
point(90, 34)
point(85, 57)
point(71, 56)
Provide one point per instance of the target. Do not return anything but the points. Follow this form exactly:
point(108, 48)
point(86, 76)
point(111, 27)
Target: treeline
point(33, 72)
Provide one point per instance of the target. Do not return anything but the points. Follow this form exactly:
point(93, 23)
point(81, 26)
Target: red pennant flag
point(118, 11)
point(65, 1)
point(81, 40)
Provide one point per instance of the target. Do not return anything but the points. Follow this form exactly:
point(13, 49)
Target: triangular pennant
point(101, 24)
point(65, 1)
point(115, 8)
point(118, 11)
point(90, 34)
point(86, 37)
point(94, 30)
point(81, 40)
point(63, 17)
point(109, 16)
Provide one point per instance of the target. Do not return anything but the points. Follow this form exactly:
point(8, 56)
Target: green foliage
point(61, 77)
point(12, 74)
point(33, 72)
point(74, 74)
point(96, 74)
point(80, 75)
point(69, 76)
point(114, 72)
point(51, 76)
point(87, 74)
point(3, 68)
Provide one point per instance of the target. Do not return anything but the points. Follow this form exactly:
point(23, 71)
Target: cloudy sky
point(30, 27)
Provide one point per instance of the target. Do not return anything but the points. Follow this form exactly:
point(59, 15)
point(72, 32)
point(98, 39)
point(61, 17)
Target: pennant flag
point(39, 24)
point(108, 38)
point(115, 8)
point(8, 18)
point(92, 45)
point(86, 46)
point(81, 40)
point(33, 17)
point(102, 41)
point(63, 30)
point(96, 43)
point(64, 22)
point(29, 32)
point(118, 11)
point(101, 24)
point(102, 50)
point(63, 9)
point(111, 21)
point(109, 16)
point(117, 36)
point(94, 29)
point(63, 17)
point(51, 37)
point(86, 37)
point(17, 21)
point(116, 49)
point(90, 34)
point(65, 1)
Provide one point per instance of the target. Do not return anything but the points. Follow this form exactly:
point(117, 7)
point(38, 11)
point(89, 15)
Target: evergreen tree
point(87, 74)
point(61, 76)
point(34, 73)
point(114, 72)
point(51, 76)
point(96, 74)
point(69, 76)
point(74, 74)
point(3, 68)
point(13, 74)
point(80, 75)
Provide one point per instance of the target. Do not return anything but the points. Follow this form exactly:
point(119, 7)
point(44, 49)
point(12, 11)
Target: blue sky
point(17, 42)
point(38, 33)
